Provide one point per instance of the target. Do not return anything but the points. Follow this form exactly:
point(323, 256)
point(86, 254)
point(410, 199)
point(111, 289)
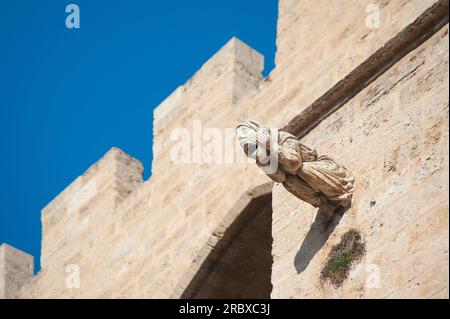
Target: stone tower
point(367, 85)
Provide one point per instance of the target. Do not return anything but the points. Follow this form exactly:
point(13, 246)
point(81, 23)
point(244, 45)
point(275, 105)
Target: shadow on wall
point(239, 266)
point(315, 239)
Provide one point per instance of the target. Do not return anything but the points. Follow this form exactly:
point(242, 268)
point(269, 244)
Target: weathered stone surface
point(131, 238)
point(134, 239)
point(395, 49)
point(16, 269)
point(394, 137)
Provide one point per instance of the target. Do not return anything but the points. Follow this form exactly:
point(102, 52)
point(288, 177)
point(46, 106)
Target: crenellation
point(226, 65)
point(115, 176)
point(131, 238)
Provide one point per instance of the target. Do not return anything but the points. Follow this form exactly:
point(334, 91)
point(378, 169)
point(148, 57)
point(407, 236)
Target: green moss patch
point(342, 256)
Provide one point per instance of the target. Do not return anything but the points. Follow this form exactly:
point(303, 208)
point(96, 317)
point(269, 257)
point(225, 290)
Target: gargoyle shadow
point(317, 236)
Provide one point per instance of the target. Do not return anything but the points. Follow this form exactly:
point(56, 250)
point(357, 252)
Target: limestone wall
point(16, 269)
point(320, 42)
point(131, 238)
point(144, 245)
point(393, 136)
point(76, 226)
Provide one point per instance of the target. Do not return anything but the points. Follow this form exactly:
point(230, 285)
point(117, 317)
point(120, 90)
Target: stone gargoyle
point(317, 180)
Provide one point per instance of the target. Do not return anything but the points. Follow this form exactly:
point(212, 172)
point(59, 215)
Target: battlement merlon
point(125, 169)
point(235, 60)
point(99, 190)
point(212, 94)
point(16, 269)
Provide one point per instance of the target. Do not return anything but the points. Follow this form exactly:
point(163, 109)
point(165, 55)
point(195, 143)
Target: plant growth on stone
point(342, 256)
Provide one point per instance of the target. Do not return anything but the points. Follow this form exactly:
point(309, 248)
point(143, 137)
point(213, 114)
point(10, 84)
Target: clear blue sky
point(67, 96)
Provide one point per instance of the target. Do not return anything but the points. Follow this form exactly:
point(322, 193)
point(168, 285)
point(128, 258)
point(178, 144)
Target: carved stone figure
point(317, 180)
